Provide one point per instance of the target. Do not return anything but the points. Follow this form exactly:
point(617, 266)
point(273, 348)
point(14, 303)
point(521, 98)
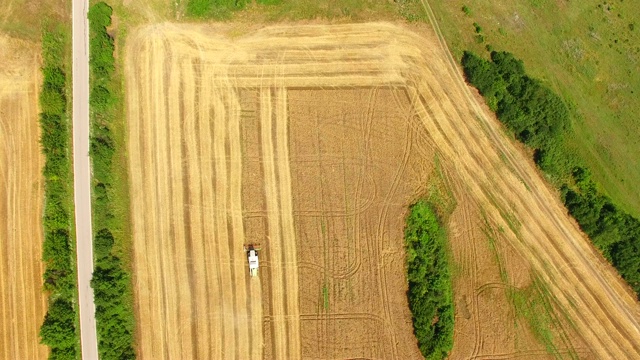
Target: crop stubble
point(22, 300)
point(311, 140)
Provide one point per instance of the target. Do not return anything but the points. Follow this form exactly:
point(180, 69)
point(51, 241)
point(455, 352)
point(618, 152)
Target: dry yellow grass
point(195, 164)
point(22, 301)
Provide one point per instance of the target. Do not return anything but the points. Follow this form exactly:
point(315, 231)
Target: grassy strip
point(540, 120)
point(278, 10)
point(219, 9)
point(430, 290)
point(58, 330)
point(111, 282)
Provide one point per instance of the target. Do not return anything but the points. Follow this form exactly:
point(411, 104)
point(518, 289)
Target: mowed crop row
point(22, 300)
point(219, 141)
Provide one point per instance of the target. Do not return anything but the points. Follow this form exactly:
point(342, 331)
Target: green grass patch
point(430, 290)
point(535, 306)
point(594, 68)
point(216, 9)
point(111, 280)
point(325, 297)
point(59, 330)
point(293, 10)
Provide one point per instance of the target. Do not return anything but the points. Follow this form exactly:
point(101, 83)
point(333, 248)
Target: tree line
point(111, 282)
point(540, 119)
point(58, 331)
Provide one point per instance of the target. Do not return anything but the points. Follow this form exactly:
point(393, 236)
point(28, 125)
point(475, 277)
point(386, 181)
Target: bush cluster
point(430, 291)
point(539, 119)
point(615, 232)
point(58, 330)
point(111, 283)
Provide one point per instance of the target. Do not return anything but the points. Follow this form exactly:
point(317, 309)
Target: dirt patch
point(23, 303)
point(312, 140)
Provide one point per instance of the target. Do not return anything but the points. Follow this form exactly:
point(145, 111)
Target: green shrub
point(430, 292)
point(536, 115)
point(58, 329)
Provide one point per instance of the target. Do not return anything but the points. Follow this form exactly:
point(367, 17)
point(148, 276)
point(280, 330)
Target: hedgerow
point(430, 292)
point(539, 119)
point(58, 330)
point(111, 282)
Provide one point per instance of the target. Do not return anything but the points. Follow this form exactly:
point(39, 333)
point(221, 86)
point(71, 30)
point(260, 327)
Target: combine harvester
point(252, 257)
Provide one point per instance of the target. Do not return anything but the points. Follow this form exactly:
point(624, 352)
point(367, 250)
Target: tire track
point(160, 186)
point(158, 317)
point(219, 135)
point(278, 321)
point(243, 315)
point(288, 230)
point(199, 140)
point(183, 263)
point(192, 217)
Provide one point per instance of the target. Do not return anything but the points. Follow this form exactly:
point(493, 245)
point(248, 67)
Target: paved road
point(82, 178)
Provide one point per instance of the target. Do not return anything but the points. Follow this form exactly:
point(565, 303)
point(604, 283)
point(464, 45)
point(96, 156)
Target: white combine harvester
point(252, 257)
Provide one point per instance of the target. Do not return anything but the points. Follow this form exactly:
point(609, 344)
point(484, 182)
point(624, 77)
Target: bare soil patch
point(312, 140)
point(22, 300)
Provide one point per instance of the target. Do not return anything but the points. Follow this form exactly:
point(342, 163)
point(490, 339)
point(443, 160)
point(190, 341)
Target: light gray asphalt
point(82, 179)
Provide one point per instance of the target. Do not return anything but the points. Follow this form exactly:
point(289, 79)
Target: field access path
point(82, 179)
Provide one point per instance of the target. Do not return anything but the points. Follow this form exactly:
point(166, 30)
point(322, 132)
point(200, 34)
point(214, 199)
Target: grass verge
point(111, 281)
point(59, 330)
point(430, 289)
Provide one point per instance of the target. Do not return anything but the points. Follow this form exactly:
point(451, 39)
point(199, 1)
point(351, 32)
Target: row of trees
point(111, 282)
point(58, 331)
point(430, 290)
point(539, 119)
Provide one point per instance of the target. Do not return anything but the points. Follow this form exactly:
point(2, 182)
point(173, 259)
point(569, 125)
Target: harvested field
point(312, 140)
point(22, 300)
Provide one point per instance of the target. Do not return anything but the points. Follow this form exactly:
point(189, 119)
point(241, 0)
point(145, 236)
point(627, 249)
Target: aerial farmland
point(311, 142)
point(318, 179)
